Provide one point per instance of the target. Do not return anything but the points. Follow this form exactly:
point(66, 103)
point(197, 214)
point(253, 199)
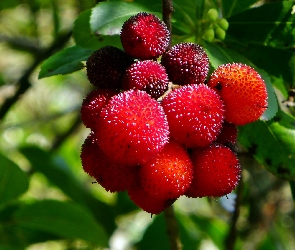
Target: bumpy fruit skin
point(92, 105)
point(144, 36)
point(113, 177)
point(195, 115)
point(105, 67)
point(186, 63)
point(146, 75)
point(88, 154)
point(146, 201)
point(169, 174)
point(132, 128)
point(216, 171)
point(242, 90)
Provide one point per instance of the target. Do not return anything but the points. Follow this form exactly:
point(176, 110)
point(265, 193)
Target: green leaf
point(65, 61)
point(85, 38)
point(270, 24)
point(155, 235)
point(213, 228)
point(107, 18)
point(292, 186)
point(59, 174)
point(272, 144)
point(219, 55)
point(14, 236)
point(65, 219)
point(13, 181)
point(189, 233)
point(231, 7)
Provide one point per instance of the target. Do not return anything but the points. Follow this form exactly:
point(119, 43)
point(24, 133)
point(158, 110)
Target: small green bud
point(223, 23)
point(212, 15)
point(220, 33)
point(208, 34)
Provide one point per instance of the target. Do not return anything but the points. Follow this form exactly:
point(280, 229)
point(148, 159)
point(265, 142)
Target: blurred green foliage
point(48, 202)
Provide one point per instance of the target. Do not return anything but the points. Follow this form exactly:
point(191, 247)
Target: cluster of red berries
point(157, 129)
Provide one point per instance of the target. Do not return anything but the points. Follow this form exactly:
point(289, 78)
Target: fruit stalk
point(167, 10)
point(232, 234)
point(172, 229)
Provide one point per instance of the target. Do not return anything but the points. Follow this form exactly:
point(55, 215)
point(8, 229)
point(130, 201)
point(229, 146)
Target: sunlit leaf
point(85, 38)
point(65, 219)
point(13, 181)
point(66, 61)
point(107, 18)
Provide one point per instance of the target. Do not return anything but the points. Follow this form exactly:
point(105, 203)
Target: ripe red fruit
point(216, 171)
point(242, 90)
point(88, 154)
point(92, 105)
point(228, 134)
point(146, 201)
point(147, 75)
point(144, 36)
point(113, 177)
point(132, 128)
point(195, 115)
point(105, 67)
point(186, 63)
point(169, 174)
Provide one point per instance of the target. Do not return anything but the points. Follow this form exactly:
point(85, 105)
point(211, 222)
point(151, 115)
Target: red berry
point(105, 67)
point(228, 134)
point(186, 63)
point(92, 105)
point(147, 75)
point(242, 90)
point(144, 36)
point(132, 128)
point(146, 201)
point(169, 174)
point(113, 177)
point(195, 115)
point(216, 171)
point(88, 154)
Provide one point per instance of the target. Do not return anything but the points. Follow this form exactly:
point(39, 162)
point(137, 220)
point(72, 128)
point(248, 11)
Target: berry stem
point(172, 229)
point(167, 10)
point(232, 234)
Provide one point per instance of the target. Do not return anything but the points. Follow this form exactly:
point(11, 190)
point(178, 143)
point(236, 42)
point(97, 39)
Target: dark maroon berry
point(105, 67)
point(186, 63)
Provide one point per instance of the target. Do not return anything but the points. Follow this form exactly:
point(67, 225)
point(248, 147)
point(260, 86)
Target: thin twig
point(167, 10)
point(172, 229)
point(232, 234)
